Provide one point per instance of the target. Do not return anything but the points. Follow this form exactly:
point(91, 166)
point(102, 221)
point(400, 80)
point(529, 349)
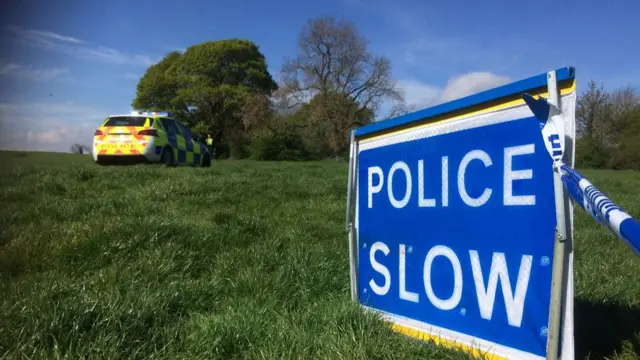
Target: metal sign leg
point(559, 251)
point(353, 159)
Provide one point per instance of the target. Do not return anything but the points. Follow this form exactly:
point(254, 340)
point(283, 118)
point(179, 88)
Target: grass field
point(243, 260)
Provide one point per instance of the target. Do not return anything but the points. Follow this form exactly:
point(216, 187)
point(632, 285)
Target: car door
point(176, 140)
point(194, 152)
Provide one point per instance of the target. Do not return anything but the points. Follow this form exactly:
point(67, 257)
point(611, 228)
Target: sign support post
point(555, 312)
point(350, 182)
point(353, 155)
point(559, 252)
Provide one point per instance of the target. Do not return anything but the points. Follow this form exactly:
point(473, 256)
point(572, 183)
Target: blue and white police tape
point(583, 192)
point(601, 208)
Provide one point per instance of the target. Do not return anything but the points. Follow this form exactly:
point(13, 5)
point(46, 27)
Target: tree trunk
point(236, 145)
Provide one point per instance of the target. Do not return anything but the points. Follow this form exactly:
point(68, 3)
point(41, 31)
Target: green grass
point(243, 260)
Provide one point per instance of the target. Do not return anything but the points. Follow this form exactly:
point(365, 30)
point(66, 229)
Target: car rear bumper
point(121, 159)
point(147, 153)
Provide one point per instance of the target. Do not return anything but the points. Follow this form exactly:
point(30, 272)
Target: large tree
point(211, 83)
point(157, 89)
point(335, 67)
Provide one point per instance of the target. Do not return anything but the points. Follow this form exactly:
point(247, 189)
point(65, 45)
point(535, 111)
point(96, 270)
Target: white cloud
point(30, 73)
point(420, 95)
point(40, 126)
point(471, 83)
point(77, 47)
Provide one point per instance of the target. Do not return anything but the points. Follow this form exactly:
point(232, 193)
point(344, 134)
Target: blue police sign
point(455, 221)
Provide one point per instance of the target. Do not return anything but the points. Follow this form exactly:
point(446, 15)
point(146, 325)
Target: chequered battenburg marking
point(172, 140)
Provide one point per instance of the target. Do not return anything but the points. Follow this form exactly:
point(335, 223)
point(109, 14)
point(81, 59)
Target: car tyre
point(166, 158)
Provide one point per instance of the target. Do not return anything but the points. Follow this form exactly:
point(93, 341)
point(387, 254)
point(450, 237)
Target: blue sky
point(66, 64)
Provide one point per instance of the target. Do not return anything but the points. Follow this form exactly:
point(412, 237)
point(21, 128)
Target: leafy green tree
point(210, 84)
point(591, 154)
point(159, 85)
point(305, 134)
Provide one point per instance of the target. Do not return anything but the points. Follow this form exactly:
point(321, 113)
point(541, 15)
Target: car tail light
point(148, 132)
point(98, 132)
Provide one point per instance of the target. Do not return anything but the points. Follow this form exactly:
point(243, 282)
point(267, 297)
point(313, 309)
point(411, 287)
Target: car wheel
point(166, 158)
point(206, 161)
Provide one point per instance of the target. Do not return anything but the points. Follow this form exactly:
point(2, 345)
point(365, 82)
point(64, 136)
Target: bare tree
point(625, 129)
point(334, 65)
point(399, 108)
point(80, 149)
point(623, 104)
point(604, 116)
point(591, 111)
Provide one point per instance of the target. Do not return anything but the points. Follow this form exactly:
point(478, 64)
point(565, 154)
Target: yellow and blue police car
point(148, 137)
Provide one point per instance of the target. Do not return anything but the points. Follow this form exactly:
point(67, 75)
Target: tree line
point(223, 88)
point(608, 128)
point(332, 84)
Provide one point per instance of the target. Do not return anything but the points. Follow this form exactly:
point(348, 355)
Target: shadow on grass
point(602, 329)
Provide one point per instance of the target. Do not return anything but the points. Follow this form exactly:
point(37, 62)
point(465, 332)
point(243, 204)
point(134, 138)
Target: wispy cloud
point(454, 54)
point(418, 46)
point(42, 37)
point(40, 126)
point(30, 73)
point(114, 56)
point(420, 52)
point(76, 47)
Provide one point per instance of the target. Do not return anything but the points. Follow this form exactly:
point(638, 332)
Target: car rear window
point(128, 121)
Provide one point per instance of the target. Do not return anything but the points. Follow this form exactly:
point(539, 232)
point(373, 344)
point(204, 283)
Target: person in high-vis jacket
point(210, 144)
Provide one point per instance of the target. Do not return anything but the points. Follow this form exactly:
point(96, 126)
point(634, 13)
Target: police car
point(148, 137)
